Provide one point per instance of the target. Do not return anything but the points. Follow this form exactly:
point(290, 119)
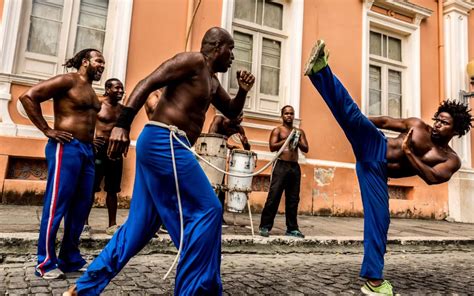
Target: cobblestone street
point(443, 273)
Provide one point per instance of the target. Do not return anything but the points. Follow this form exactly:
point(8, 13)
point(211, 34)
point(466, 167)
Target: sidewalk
point(20, 226)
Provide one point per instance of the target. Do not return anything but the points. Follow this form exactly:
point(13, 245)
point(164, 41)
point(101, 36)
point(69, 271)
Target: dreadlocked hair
point(76, 61)
point(460, 113)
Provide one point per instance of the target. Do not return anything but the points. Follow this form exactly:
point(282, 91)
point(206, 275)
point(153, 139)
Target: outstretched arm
point(437, 174)
point(231, 108)
point(401, 125)
point(55, 87)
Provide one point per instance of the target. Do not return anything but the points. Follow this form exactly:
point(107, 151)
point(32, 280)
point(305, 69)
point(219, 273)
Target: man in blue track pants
point(70, 157)
point(191, 85)
point(420, 149)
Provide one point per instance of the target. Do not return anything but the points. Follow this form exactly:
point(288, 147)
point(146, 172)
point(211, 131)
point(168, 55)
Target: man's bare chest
point(84, 98)
point(429, 153)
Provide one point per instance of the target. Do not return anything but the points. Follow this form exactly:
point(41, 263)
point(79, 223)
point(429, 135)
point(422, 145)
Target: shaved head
point(214, 38)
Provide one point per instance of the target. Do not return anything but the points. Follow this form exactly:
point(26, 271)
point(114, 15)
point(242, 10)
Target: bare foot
point(71, 292)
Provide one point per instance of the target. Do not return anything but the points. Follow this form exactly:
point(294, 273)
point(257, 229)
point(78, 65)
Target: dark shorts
point(109, 170)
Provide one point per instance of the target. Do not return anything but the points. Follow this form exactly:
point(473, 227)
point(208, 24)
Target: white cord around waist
point(173, 131)
point(172, 128)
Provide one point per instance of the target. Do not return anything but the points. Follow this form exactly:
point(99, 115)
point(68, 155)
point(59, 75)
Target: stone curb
point(25, 243)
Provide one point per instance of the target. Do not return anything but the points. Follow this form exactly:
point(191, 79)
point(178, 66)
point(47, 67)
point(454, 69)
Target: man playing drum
point(169, 183)
point(286, 176)
point(228, 127)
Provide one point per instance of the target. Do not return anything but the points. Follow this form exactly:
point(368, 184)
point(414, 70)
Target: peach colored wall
point(1, 10)
point(16, 91)
point(22, 146)
point(156, 35)
point(429, 62)
point(164, 34)
point(323, 20)
point(208, 15)
point(158, 32)
point(19, 147)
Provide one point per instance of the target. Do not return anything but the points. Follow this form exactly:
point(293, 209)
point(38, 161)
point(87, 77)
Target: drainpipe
point(191, 13)
point(187, 41)
point(441, 50)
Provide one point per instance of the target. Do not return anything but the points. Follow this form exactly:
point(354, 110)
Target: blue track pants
point(154, 196)
point(369, 146)
point(69, 195)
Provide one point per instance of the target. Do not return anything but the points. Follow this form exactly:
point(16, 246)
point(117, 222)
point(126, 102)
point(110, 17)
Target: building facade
point(397, 58)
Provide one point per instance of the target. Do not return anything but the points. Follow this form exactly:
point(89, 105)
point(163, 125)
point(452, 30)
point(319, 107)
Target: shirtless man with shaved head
point(166, 170)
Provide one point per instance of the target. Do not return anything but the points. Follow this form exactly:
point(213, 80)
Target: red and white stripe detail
point(52, 206)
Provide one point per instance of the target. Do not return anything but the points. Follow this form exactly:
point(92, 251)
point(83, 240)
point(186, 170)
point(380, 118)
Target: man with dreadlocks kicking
point(420, 149)
point(70, 157)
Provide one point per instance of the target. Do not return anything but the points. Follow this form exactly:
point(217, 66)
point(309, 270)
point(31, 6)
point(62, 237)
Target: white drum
point(214, 149)
point(241, 162)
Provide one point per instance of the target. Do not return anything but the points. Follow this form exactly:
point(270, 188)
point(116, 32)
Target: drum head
point(246, 152)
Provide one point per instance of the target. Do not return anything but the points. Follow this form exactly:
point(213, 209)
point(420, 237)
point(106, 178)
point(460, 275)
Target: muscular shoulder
point(190, 59)
point(453, 156)
point(277, 131)
point(67, 80)
point(54, 87)
point(415, 122)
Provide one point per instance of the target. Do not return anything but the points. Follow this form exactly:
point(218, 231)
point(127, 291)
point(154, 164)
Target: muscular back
point(184, 103)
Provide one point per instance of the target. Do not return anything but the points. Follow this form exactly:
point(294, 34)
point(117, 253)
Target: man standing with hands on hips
point(70, 157)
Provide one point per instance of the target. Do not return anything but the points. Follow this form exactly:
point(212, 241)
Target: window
point(56, 29)
point(391, 55)
point(259, 35)
point(386, 69)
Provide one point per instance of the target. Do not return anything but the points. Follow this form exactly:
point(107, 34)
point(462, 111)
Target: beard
point(93, 74)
